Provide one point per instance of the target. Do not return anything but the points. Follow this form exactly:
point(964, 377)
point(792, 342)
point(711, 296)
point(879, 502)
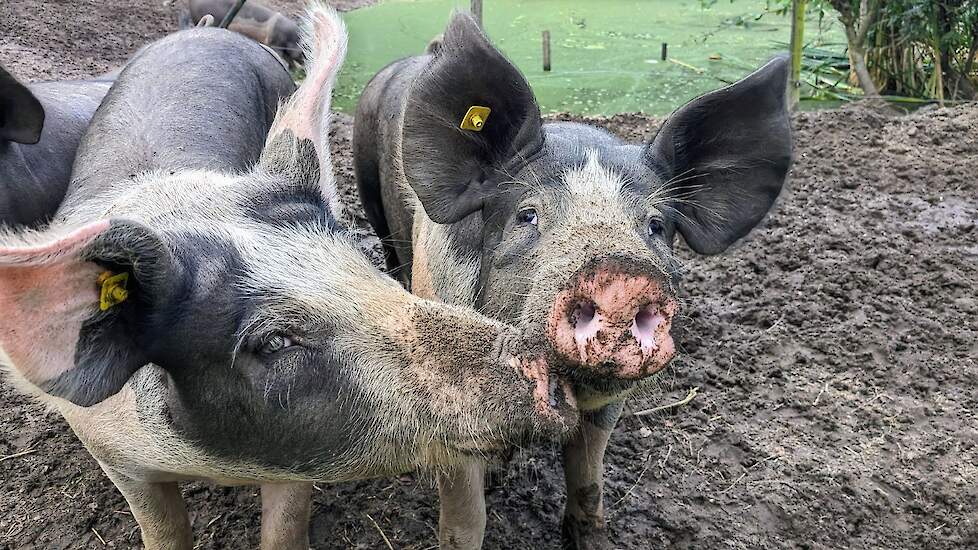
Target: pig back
point(203, 98)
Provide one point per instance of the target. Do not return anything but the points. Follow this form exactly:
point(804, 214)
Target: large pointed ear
point(451, 169)
point(724, 157)
point(297, 147)
point(21, 114)
point(71, 326)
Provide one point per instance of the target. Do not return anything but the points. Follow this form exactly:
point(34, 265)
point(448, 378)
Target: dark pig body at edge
point(36, 166)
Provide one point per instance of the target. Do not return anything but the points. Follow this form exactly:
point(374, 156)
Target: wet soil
point(834, 352)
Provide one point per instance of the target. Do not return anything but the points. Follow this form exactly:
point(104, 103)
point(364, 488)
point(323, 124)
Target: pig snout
point(553, 397)
point(614, 322)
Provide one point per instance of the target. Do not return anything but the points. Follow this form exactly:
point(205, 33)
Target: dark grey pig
point(561, 228)
point(40, 127)
point(255, 21)
point(196, 311)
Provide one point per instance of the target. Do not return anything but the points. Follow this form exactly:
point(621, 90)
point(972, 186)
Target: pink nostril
point(584, 313)
point(644, 325)
point(587, 323)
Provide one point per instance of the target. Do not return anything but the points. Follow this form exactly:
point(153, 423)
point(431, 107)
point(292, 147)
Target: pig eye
point(527, 216)
point(276, 343)
point(655, 227)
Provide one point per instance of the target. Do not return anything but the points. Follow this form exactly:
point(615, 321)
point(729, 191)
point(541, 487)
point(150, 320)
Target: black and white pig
point(40, 127)
point(559, 227)
point(196, 311)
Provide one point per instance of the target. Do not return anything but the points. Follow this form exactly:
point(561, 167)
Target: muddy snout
point(553, 398)
point(614, 322)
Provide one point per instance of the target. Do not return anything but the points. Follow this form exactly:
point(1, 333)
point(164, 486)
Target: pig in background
point(41, 125)
point(254, 20)
point(195, 310)
point(559, 227)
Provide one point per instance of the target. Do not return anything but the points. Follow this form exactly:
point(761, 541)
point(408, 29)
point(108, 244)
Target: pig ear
point(724, 157)
point(21, 114)
point(58, 332)
point(451, 169)
point(298, 143)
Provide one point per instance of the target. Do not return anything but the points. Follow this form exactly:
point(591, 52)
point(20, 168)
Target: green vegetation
point(910, 51)
point(606, 55)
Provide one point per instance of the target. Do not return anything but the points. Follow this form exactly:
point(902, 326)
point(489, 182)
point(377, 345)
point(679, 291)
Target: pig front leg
point(159, 510)
point(583, 526)
point(462, 520)
point(285, 510)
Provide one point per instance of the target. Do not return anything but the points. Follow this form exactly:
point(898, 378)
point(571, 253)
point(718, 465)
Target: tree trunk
point(857, 26)
point(858, 56)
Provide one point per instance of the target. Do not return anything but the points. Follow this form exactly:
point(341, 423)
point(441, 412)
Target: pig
point(40, 127)
point(255, 21)
point(561, 228)
point(196, 310)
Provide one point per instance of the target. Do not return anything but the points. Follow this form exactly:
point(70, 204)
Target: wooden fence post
point(546, 51)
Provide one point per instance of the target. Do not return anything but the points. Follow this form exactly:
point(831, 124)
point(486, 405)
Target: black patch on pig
point(291, 411)
point(293, 159)
point(291, 205)
point(112, 344)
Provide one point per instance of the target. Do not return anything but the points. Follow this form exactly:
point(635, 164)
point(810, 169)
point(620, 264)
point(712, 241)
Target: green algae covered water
point(606, 54)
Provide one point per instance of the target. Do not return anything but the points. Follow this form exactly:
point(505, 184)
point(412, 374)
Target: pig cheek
point(44, 321)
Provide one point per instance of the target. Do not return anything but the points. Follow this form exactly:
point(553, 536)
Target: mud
point(834, 354)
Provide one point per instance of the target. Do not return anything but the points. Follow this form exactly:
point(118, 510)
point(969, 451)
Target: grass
point(606, 55)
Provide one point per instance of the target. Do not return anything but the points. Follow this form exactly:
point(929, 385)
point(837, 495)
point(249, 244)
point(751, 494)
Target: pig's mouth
point(615, 325)
point(553, 395)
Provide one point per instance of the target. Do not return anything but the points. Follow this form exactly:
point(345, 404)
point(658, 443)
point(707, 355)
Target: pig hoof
point(578, 534)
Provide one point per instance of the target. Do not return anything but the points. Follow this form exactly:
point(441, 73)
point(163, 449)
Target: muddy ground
point(834, 353)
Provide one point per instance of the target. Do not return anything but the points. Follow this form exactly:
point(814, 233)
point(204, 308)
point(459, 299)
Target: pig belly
point(131, 433)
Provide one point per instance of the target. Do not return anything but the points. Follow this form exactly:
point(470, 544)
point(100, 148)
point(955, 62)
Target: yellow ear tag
point(475, 118)
point(113, 289)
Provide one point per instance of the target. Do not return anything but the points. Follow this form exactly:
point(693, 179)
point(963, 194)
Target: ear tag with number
point(113, 289)
point(475, 118)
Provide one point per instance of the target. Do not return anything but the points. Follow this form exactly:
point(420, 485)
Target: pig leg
point(159, 510)
point(462, 521)
point(285, 510)
point(583, 526)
